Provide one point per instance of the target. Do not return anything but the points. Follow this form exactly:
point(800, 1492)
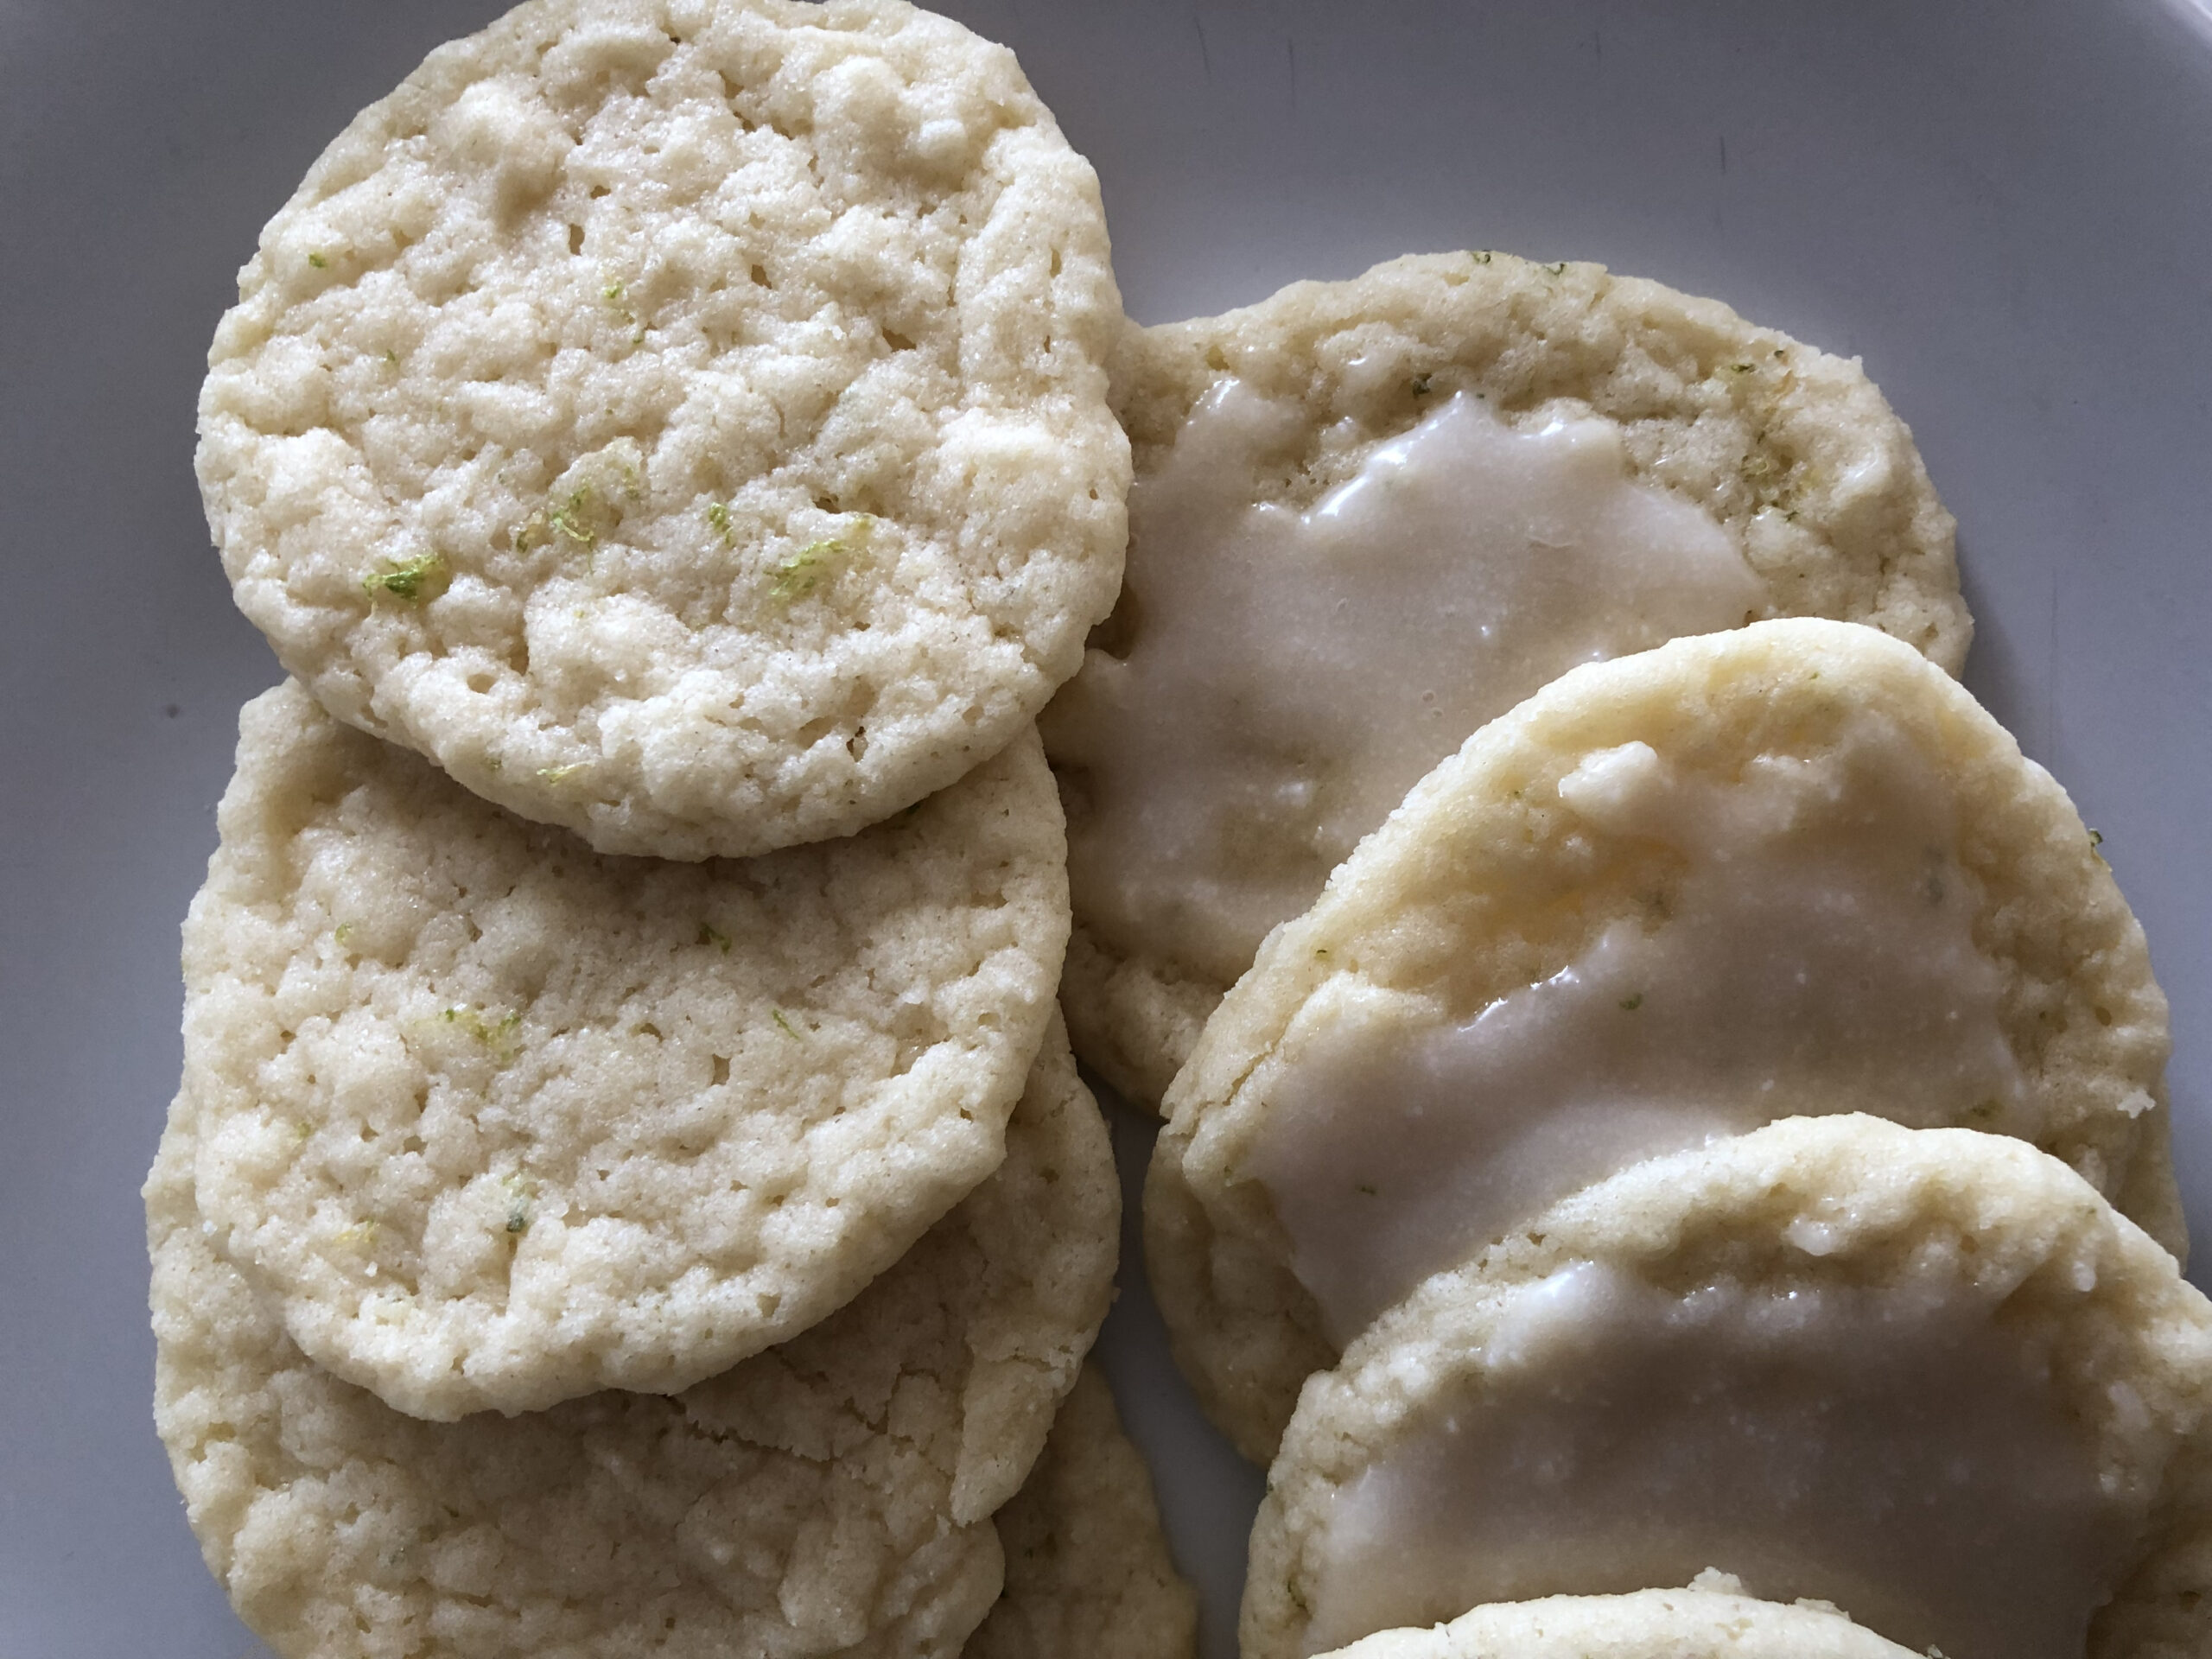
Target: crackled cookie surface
point(830, 1495)
point(1712, 1619)
point(1927, 1375)
point(1370, 516)
point(1087, 1570)
point(684, 421)
point(496, 1120)
point(1788, 870)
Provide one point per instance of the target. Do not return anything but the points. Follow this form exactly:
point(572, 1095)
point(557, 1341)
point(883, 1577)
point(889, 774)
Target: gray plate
point(2004, 206)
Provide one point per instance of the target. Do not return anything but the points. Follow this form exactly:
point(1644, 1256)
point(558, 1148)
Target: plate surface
point(2004, 207)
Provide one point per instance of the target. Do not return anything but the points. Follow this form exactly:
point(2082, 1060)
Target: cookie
point(830, 1495)
point(497, 1121)
point(1087, 1570)
point(1789, 869)
point(1929, 1376)
point(685, 422)
point(1370, 516)
point(1712, 1619)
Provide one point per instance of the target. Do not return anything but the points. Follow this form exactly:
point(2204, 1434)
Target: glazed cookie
point(1712, 1619)
point(830, 1495)
point(684, 421)
point(496, 1120)
point(1927, 1375)
point(1087, 1570)
point(1792, 868)
point(1370, 516)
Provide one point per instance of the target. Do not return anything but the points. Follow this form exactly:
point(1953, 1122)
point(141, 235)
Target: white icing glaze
point(1818, 957)
point(1292, 674)
point(1893, 1450)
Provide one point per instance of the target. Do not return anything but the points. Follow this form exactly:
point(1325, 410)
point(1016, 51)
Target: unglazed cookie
point(1370, 516)
point(1789, 869)
point(1087, 1570)
point(1927, 1375)
point(830, 1495)
point(1712, 1619)
point(495, 1120)
point(683, 420)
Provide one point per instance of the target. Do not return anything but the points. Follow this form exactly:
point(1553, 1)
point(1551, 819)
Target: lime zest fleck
point(561, 774)
point(318, 262)
point(1632, 1003)
point(520, 1191)
point(2096, 837)
point(566, 520)
point(499, 1038)
point(806, 569)
point(709, 934)
point(1558, 267)
point(1368, 1188)
point(784, 1024)
point(1740, 368)
point(1420, 384)
point(424, 577)
point(1480, 256)
point(718, 517)
point(343, 932)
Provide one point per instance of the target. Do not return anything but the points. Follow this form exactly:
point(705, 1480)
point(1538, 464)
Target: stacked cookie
point(1714, 1118)
point(630, 1188)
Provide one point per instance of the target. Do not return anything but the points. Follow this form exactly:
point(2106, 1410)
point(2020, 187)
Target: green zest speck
point(784, 1024)
point(499, 1039)
point(1421, 384)
point(718, 516)
point(318, 262)
point(709, 935)
point(802, 572)
point(410, 583)
point(567, 519)
point(1368, 1190)
point(1634, 1002)
point(560, 774)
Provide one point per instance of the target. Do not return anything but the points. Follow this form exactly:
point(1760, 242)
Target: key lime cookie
point(495, 1120)
point(1712, 1619)
point(830, 1495)
point(1929, 1376)
point(686, 423)
point(1087, 1570)
point(1789, 869)
point(1370, 516)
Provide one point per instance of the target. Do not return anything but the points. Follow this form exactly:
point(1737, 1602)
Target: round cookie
point(495, 1120)
point(686, 423)
point(1370, 516)
point(1088, 1575)
point(1712, 1619)
point(830, 1496)
point(1929, 1376)
point(1791, 868)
